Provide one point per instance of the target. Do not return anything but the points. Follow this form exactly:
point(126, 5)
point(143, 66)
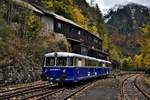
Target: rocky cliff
point(124, 23)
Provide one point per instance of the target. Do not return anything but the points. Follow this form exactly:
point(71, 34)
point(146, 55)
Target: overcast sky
point(107, 4)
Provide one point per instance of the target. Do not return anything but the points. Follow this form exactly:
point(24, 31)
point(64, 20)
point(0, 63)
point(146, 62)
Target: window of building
point(71, 29)
point(95, 40)
point(59, 25)
point(79, 32)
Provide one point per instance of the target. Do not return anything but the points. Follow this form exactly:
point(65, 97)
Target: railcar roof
point(67, 54)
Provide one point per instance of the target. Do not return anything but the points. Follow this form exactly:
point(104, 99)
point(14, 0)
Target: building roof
point(25, 4)
point(56, 15)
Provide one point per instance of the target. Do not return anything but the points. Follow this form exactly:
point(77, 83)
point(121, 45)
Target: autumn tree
point(127, 63)
point(138, 59)
point(145, 45)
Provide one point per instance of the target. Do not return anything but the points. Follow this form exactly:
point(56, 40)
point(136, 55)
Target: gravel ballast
point(103, 89)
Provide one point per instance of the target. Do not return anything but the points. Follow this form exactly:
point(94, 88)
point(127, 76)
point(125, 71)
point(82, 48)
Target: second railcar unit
point(64, 67)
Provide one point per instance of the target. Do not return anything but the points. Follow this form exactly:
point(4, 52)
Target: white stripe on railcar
point(67, 54)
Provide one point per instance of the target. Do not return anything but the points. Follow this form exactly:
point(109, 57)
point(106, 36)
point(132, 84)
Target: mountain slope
point(129, 18)
point(124, 26)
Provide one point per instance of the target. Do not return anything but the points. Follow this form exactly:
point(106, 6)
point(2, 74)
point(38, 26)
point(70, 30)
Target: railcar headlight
point(95, 73)
point(89, 73)
point(46, 70)
point(64, 70)
point(51, 78)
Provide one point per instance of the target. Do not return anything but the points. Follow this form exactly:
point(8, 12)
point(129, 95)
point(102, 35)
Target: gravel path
point(104, 89)
point(144, 85)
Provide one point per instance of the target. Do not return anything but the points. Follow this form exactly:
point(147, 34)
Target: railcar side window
point(50, 61)
point(72, 61)
point(79, 62)
point(100, 64)
point(83, 62)
point(103, 65)
point(61, 61)
point(108, 65)
point(86, 62)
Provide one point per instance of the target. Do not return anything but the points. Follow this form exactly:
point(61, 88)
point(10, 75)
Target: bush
point(147, 71)
point(22, 47)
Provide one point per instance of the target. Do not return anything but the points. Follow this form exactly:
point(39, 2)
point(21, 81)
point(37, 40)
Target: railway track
point(19, 93)
point(74, 92)
point(57, 94)
point(63, 93)
point(130, 89)
point(43, 92)
point(13, 87)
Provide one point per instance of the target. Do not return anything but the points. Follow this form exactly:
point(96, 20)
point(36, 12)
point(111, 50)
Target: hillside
point(129, 18)
point(124, 26)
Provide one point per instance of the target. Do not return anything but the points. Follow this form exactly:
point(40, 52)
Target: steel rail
point(135, 84)
point(14, 89)
point(48, 94)
point(23, 91)
point(122, 85)
point(140, 89)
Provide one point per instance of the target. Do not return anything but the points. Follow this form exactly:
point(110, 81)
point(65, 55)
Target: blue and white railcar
point(70, 67)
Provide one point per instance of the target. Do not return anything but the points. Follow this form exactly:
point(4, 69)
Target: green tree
point(115, 53)
point(127, 63)
point(4, 36)
point(28, 25)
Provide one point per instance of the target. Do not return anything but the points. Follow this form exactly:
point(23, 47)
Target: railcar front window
point(50, 61)
point(61, 61)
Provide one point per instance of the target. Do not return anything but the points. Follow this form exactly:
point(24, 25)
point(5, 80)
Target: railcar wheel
point(43, 77)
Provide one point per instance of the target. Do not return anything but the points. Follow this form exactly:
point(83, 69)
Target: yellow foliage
point(93, 29)
point(145, 45)
point(30, 19)
point(138, 60)
point(80, 18)
point(146, 29)
point(146, 60)
point(47, 3)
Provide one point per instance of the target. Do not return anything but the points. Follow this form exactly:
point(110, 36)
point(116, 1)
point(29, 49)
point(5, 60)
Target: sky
point(107, 4)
